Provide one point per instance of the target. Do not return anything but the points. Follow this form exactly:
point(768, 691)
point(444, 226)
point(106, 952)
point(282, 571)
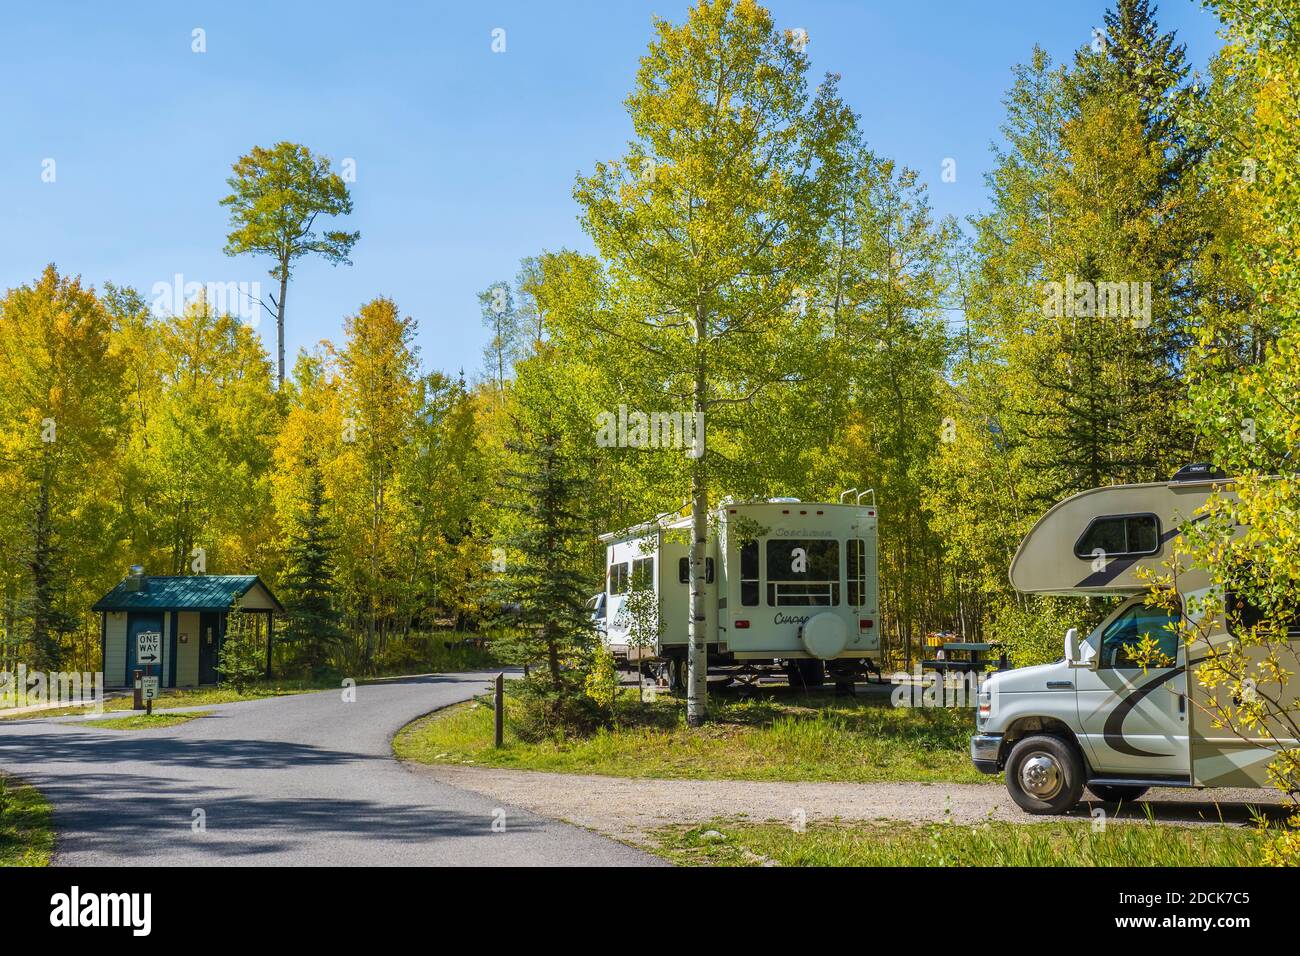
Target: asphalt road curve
point(301, 780)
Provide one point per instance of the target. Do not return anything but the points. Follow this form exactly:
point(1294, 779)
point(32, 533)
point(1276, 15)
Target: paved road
point(306, 779)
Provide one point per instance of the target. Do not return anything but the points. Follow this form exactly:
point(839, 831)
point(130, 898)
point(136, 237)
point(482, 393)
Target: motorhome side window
point(1122, 637)
point(1243, 614)
point(855, 551)
point(684, 570)
point(618, 578)
point(803, 572)
point(1118, 536)
point(749, 582)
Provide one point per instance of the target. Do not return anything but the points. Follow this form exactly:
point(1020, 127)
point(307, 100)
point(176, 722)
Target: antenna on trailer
point(843, 493)
point(869, 491)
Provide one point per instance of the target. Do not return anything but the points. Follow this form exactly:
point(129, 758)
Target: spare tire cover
point(825, 635)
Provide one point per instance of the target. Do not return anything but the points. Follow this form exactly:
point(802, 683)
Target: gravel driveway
point(629, 809)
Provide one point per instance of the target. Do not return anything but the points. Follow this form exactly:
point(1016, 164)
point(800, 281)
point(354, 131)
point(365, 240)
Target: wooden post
point(499, 707)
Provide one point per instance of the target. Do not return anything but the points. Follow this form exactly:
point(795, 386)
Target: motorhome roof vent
point(783, 501)
point(1200, 471)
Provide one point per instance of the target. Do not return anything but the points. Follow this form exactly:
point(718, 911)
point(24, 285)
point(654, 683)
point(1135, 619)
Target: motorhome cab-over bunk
point(789, 584)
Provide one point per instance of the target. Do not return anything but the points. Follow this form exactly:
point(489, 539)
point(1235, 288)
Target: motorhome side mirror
point(1072, 646)
point(1079, 653)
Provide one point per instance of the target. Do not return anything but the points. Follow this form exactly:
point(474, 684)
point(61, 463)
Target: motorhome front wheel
point(1045, 774)
point(825, 636)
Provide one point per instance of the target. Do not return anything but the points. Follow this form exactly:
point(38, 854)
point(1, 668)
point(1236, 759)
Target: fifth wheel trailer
point(1096, 718)
point(787, 583)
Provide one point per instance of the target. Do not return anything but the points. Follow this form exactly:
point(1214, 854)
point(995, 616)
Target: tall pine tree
point(313, 626)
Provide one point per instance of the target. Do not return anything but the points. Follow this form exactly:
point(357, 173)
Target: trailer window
point(803, 572)
point(1120, 640)
point(749, 583)
point(855, 552)
point(618, 578)
point(1119, 536)
point(643, 574)
point(684, 570)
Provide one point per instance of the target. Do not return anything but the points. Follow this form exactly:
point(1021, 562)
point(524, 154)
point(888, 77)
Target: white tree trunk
point(697, 703)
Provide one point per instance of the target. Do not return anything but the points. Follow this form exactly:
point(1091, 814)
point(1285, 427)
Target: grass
point(808, 737)
point(740, 843)
point(145, 721)
point(26, 831)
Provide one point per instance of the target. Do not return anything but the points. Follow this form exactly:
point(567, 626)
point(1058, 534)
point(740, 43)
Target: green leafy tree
point(60, 424)
point(706, 230)
point(277, 195)
point(1245, 399)
point(241, 660)
point(639, 615)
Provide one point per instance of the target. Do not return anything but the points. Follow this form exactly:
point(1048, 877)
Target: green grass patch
point(26, 830)
point(145, 721)
point(740, 843)
point(807, 737)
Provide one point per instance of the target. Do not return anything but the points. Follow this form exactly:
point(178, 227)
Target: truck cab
point(1096, 717)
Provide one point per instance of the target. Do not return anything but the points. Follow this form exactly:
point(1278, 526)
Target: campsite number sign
point(148, 648)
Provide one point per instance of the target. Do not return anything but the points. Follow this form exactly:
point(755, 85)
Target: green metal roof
point(197, 592)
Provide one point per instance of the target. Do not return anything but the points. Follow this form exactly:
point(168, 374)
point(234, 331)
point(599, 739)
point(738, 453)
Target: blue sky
point(465, 158)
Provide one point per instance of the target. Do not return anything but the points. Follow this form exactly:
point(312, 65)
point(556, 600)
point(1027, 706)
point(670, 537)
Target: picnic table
point(976, 656)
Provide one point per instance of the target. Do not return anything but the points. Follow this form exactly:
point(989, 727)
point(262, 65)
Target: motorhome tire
point(1114, 793)
point(1045, 774)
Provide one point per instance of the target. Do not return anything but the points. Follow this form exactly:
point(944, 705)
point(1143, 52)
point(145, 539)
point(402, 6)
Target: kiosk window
point(684, 570)
point(803, 572)
point(1119, 536)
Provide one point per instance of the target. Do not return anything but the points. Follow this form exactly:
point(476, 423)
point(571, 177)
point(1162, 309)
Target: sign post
point(148, 654)
point(149, 690)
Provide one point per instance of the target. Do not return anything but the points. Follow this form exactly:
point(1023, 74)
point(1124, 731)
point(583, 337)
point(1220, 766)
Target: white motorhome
point(788, 583)
point(1096, 718)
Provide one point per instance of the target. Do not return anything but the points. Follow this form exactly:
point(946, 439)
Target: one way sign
point(148, 647)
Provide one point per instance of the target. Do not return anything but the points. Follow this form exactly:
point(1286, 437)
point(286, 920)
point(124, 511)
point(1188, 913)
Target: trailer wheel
point(806, 674)
point(677, 673)
point(1115, 793)
point(1045, 775)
